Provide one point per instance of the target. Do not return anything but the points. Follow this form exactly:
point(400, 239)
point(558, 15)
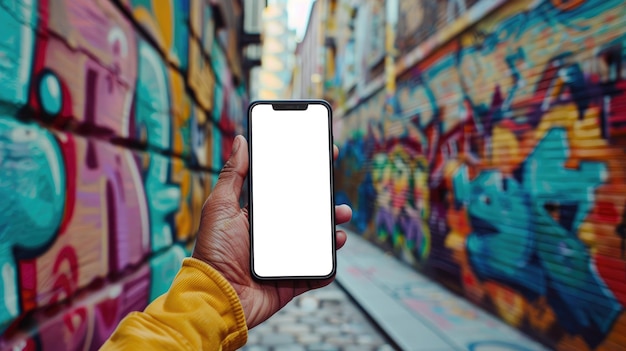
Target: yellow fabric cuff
point(201, 311)
point(232, 313)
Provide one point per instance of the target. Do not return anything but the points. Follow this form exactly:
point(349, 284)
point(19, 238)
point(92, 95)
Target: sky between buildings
point(298, 12)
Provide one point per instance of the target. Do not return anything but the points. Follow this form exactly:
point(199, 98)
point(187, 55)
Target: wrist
point(252, 309)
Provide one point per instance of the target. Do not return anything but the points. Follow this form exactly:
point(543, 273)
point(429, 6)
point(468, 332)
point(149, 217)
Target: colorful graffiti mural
point(497, 164)
point(106, 158)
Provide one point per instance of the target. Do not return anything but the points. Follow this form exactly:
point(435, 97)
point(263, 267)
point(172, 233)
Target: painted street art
point(32, 164)
point(107, 154)
point(497, 164)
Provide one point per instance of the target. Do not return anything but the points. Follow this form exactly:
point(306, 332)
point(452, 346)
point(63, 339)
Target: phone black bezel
point(298, 106)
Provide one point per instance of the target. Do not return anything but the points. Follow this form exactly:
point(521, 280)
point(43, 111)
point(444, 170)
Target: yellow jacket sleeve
point(201, 311)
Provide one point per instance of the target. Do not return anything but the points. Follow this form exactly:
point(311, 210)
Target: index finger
point(335, 151)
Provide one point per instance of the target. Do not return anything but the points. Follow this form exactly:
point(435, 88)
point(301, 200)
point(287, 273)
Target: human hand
point(223, 242)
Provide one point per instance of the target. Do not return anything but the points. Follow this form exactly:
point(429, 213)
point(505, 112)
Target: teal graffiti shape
point(163, 269)
point(17, 40)
point(525, 234)
point(32, 189)
point(152, 114)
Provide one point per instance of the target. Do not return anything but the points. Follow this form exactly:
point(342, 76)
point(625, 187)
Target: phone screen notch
point(290, 106)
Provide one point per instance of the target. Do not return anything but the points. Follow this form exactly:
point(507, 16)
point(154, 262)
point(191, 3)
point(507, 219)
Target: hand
point(224, 242)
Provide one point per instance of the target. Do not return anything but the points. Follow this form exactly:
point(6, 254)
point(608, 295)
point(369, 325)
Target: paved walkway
point(324, 319)
point(417, 313)
point(406, 307)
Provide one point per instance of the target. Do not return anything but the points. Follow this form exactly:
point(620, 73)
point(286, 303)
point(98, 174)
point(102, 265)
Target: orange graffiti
point(567, 5)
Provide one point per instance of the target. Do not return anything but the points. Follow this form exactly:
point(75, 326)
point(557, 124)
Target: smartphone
point(291, 207)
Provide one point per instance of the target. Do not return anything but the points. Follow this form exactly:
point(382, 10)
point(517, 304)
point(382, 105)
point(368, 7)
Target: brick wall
point(495, 162)
point(115, 117)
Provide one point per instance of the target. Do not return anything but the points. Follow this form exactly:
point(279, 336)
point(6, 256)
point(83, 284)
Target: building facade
point(277, 57)
point(482, 142)
point(308, 69)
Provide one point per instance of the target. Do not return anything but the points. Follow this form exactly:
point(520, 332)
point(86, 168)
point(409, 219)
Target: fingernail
point(236, 144)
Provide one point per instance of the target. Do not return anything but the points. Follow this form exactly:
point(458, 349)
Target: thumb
point(228, 187)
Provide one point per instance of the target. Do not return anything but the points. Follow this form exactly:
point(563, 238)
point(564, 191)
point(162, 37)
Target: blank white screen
point(292, 224)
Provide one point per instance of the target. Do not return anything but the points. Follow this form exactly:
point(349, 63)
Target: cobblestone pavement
point(323, 319)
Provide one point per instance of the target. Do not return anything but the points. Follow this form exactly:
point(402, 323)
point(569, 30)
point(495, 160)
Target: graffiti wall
point(111, 136)
point(497, 164)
